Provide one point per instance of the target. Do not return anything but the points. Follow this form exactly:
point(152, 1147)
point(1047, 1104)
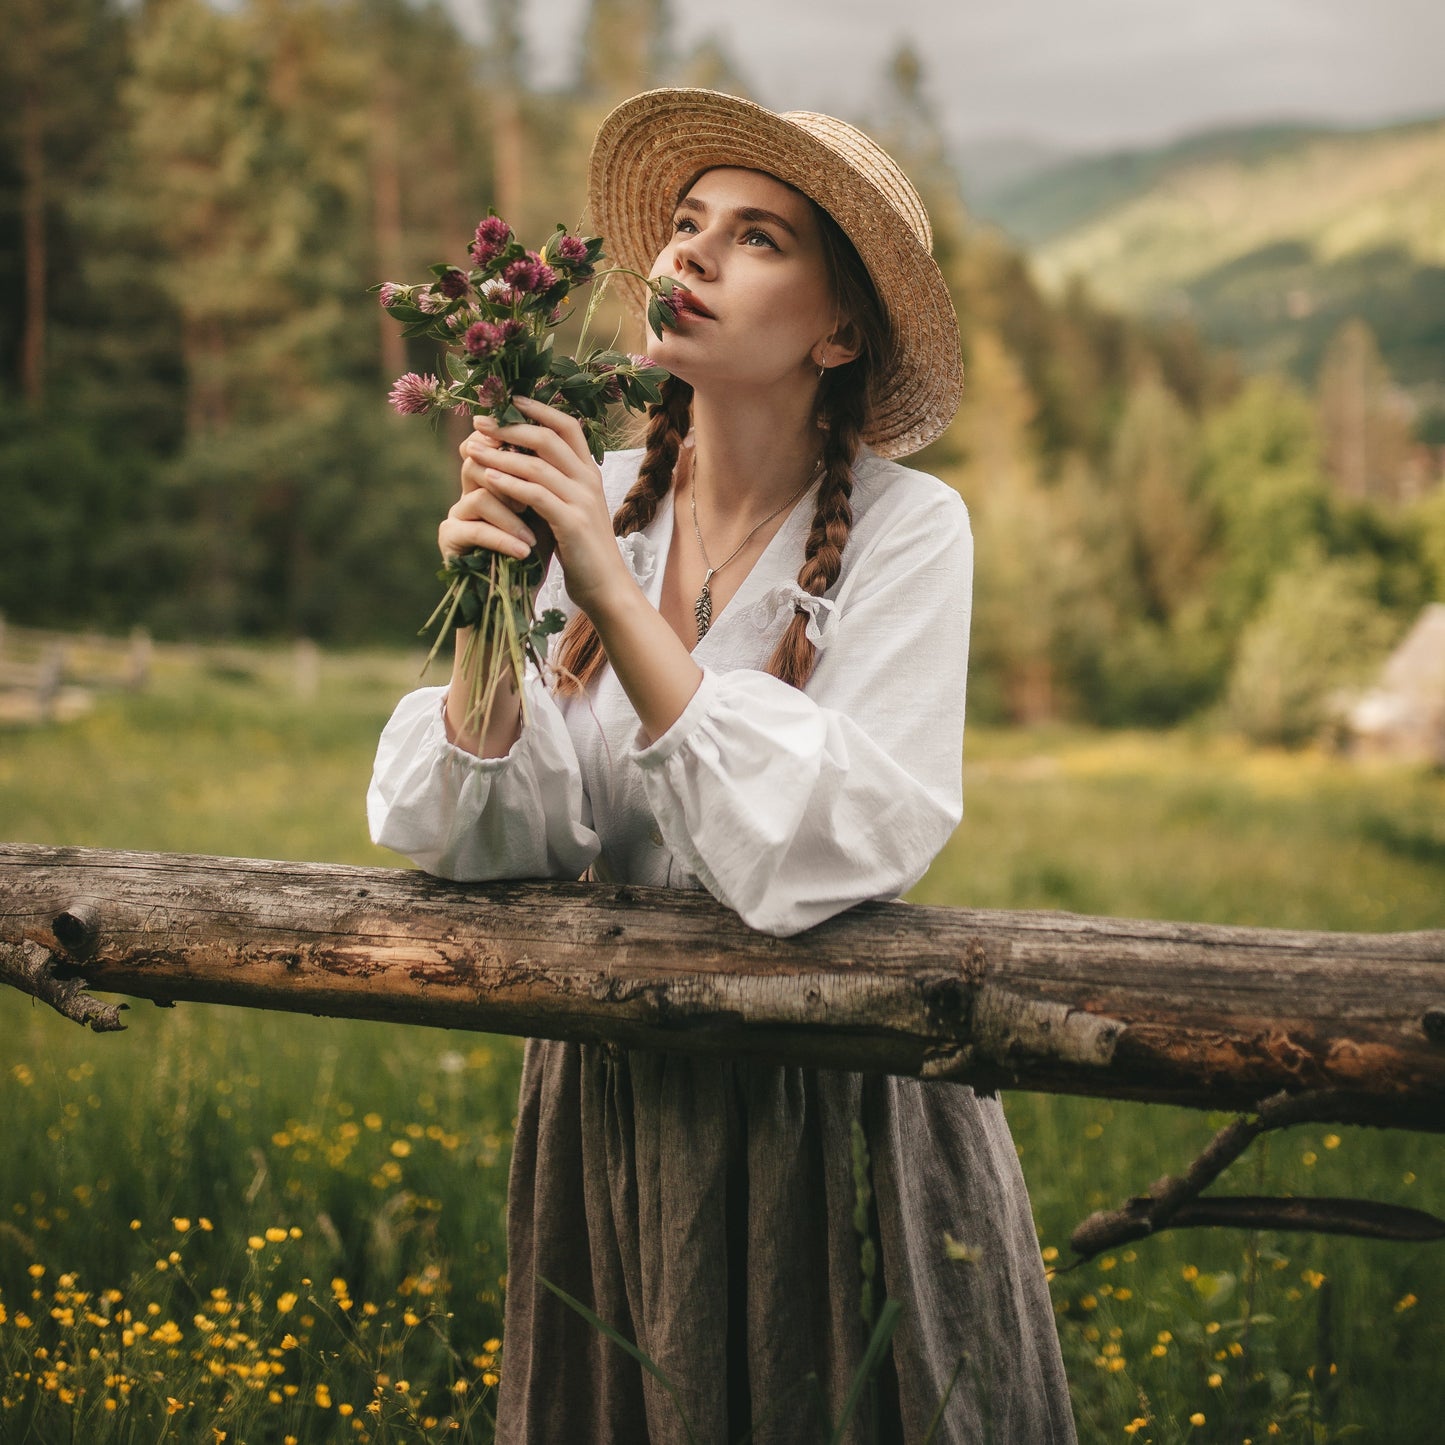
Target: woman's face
point(761, 309)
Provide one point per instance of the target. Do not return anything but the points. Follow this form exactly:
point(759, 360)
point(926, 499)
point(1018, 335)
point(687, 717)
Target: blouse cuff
point(652, 755)
point(474, 762)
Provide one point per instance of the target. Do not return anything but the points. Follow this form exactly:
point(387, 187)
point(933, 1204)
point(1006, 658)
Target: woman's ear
point(841, 347)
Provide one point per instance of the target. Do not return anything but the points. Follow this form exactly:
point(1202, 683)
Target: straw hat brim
point(654, 144)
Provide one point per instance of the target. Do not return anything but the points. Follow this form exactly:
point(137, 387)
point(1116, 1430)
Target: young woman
point(759, 692)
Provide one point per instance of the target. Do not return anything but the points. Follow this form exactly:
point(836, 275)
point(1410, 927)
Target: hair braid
point(844, 414)
point(579, 654)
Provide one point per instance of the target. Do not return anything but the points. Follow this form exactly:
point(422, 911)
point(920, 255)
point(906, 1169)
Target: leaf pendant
point(702, 610)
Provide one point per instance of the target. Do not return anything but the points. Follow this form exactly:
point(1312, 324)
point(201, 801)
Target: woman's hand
point(556, 477)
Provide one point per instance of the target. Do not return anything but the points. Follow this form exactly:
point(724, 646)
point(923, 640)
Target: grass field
point(285, 1228)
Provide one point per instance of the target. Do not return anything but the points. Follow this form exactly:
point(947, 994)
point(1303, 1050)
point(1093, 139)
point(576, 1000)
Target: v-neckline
point(754, 579)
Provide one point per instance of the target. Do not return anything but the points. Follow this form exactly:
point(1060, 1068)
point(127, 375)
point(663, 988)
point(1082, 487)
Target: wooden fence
point(1284, 1026)
point(45, 675)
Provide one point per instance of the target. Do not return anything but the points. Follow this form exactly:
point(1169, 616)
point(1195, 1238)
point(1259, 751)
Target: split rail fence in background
point(45, 676)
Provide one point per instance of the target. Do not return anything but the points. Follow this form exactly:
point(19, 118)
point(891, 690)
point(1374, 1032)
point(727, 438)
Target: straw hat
point(655, 144)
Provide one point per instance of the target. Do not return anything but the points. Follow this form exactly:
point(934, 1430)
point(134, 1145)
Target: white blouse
point(787, 806)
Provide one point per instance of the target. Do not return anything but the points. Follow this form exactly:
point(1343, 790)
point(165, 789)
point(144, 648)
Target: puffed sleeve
point(792, 806)
point(458, 816)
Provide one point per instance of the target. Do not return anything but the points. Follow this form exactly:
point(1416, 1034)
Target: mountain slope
point(1271, 246)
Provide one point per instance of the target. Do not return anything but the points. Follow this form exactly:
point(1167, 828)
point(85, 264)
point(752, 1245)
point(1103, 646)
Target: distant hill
point(1267, 238)
point(999, 166)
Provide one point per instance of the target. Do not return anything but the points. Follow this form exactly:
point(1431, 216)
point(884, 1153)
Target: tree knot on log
point(77, 930)
point(32, 969)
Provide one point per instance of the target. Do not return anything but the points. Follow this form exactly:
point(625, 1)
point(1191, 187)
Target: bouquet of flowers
point(495, 321)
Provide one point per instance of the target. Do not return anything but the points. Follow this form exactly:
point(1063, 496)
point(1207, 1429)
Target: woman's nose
point(691, 255)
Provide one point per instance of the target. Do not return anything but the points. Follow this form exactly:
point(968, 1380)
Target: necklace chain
point(702, 608)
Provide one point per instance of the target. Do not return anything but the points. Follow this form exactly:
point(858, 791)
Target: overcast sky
point(1083, 73)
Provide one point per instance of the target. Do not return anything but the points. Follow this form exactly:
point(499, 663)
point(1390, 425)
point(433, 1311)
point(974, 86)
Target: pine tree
point(1363, 420)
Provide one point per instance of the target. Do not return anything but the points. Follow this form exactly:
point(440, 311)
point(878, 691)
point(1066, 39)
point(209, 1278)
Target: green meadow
point(247, 1227)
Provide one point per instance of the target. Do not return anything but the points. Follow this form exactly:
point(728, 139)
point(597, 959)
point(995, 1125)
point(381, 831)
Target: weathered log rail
point(1200, 1015)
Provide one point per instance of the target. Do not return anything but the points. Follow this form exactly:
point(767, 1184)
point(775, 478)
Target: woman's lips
point(686, 303)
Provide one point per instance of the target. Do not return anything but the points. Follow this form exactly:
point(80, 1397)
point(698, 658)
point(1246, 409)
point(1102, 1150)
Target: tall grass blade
point(627, 1345)
point(872, 1358)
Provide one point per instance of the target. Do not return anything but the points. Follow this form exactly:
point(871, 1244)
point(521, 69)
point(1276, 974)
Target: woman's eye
point(684, 224)
point(753, 237)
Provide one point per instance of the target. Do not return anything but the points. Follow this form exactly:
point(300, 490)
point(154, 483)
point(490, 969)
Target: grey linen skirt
point(705, 1210)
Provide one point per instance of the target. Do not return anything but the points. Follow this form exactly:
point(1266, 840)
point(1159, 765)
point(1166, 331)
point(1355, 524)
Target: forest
point(194, 436)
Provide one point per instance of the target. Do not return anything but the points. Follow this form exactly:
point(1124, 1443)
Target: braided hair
point(579, 652)
point(843, 405)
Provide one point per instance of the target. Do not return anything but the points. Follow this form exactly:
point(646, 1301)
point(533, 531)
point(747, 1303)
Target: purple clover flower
point(531, 273)
point(414, 395)
point(453, 284)
point(429, 301)
point(391, 293)
point(483, 338)
point(492, 392)
point(491, 240)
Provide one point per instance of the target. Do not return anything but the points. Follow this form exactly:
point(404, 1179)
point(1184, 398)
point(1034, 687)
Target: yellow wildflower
point(1197, 1418)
